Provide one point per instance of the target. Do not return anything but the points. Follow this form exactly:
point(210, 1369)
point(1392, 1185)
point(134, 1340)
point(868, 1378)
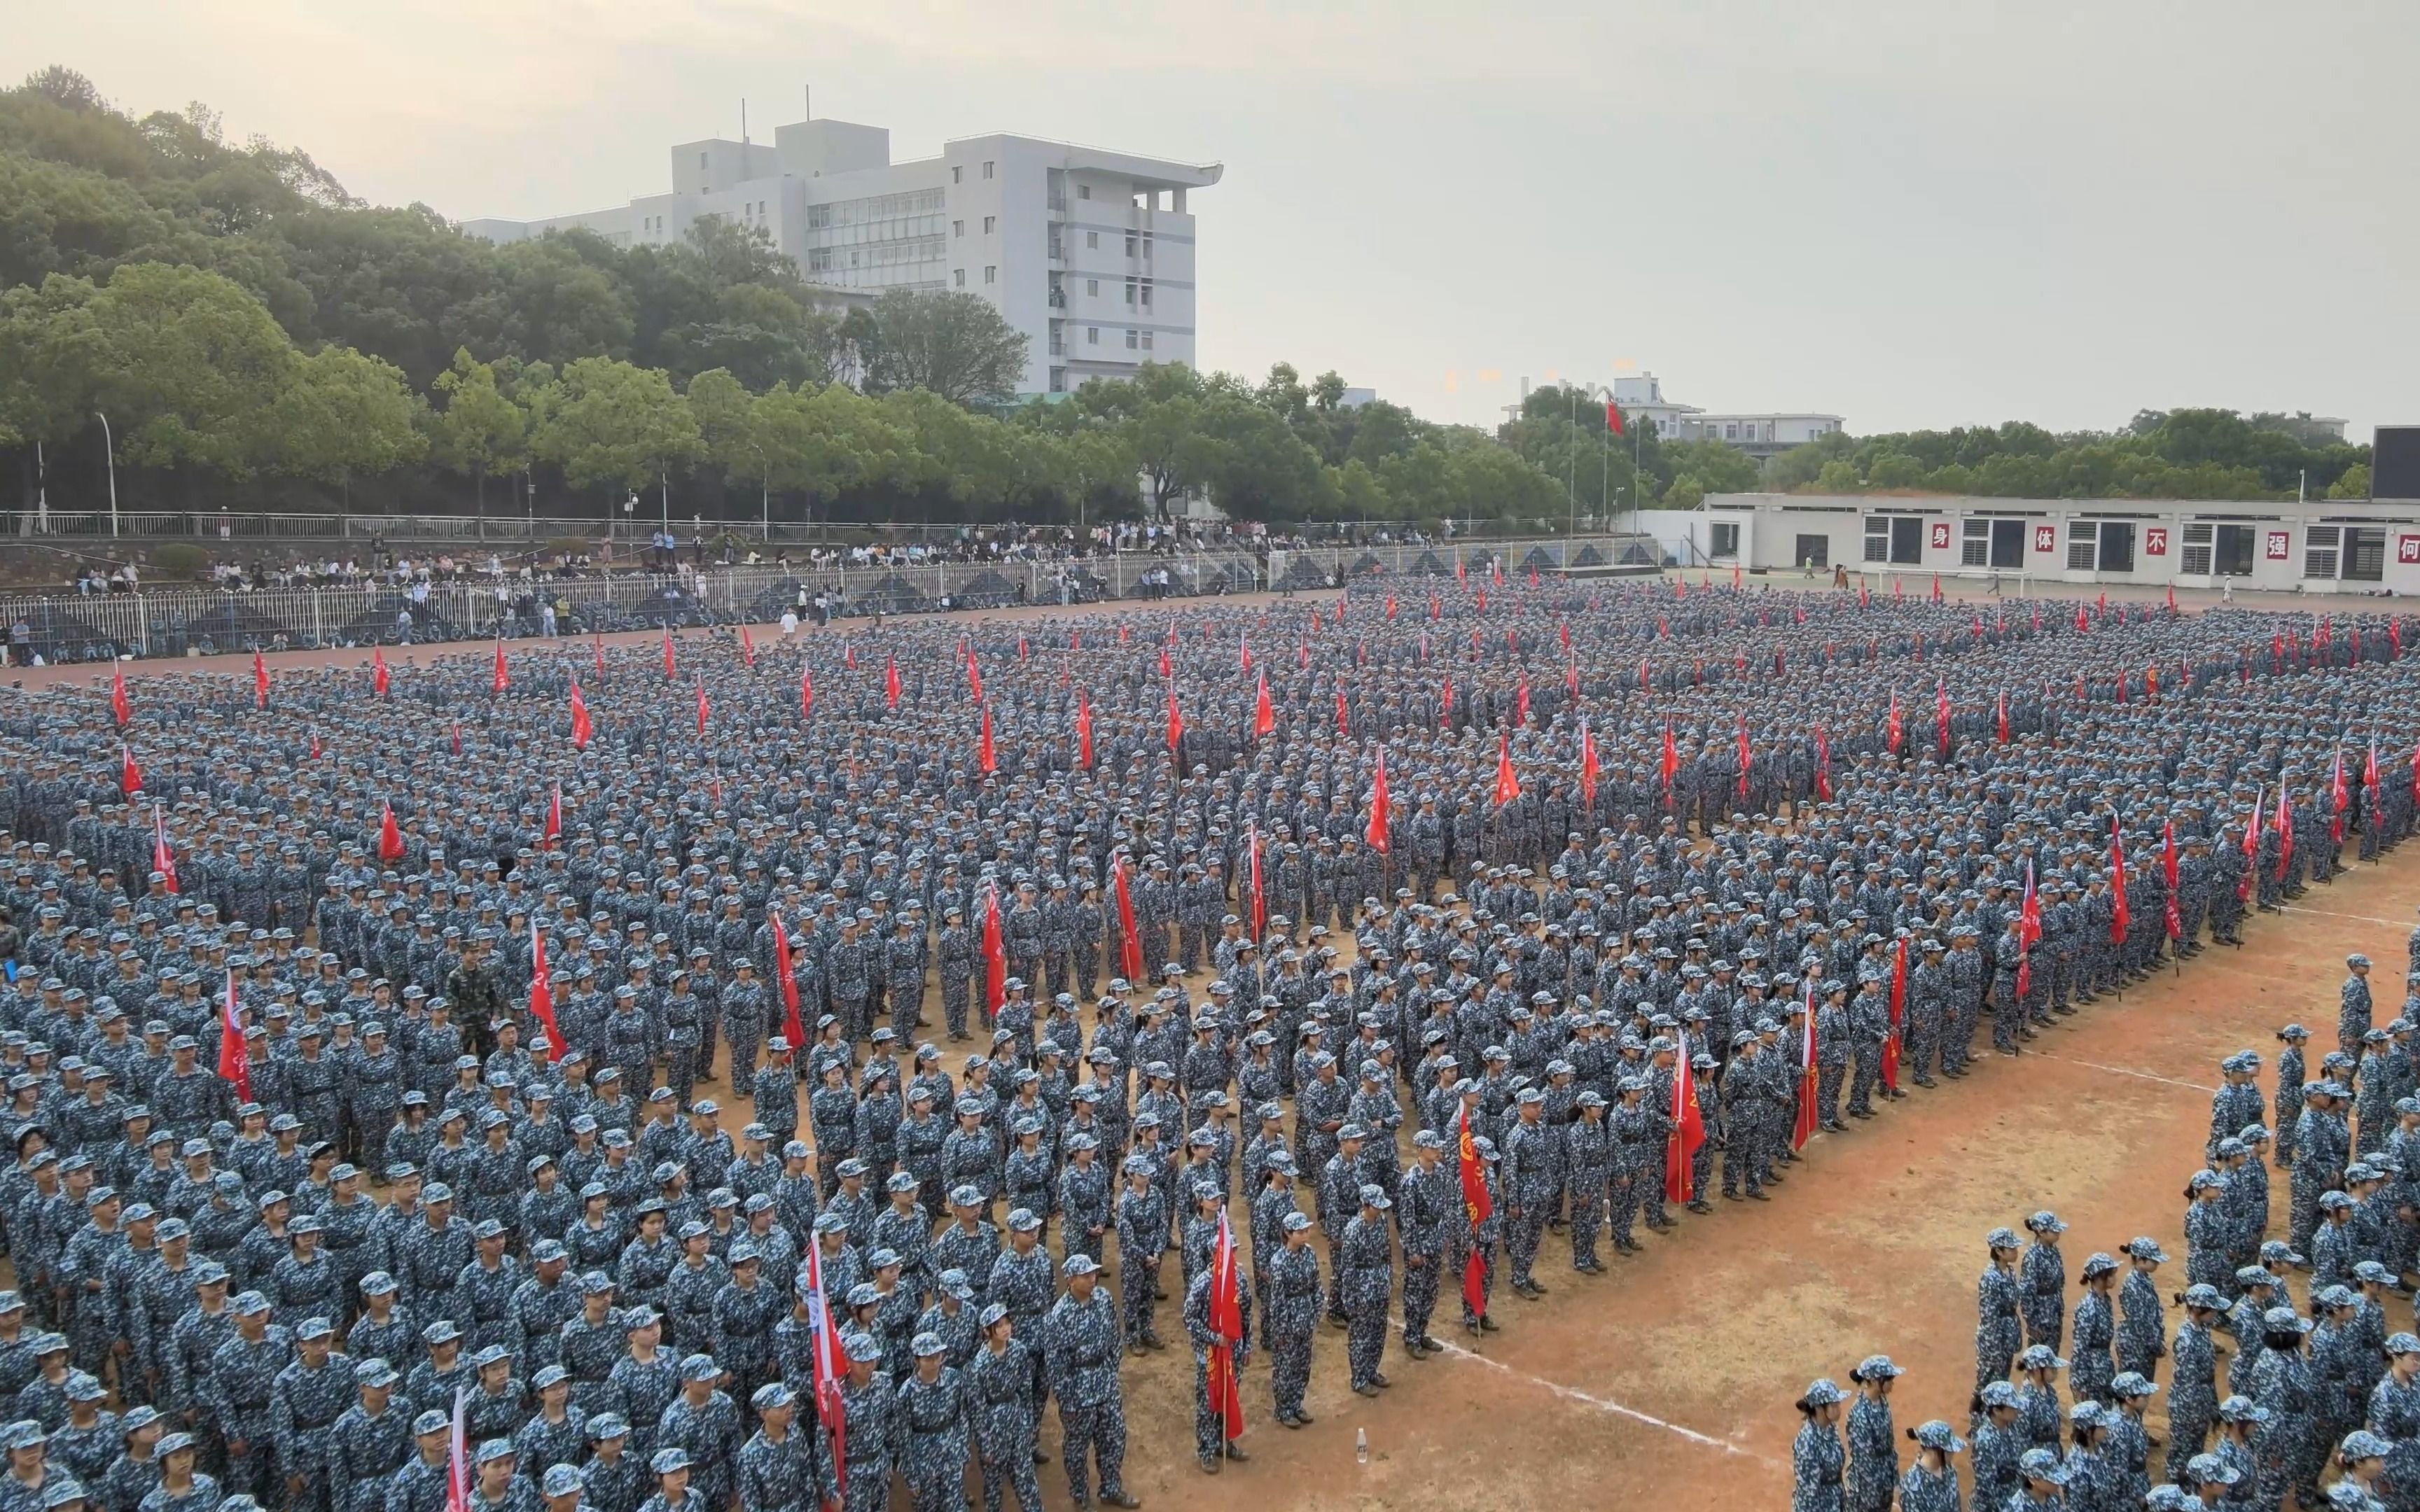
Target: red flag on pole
point(1257, 896)
point(1587, 765)
point(457, 1456)
point(1343, 720)
point(1243, 651)
point(259, 681)
point(2168, 874)
point(806, 694)
point(1175, 720)
point(793, 1024)
point(1822, 765)
point(974, 677)
point(1478, 1206)
point(2251, 839)
point(1521, 704)
point(1264, 713)
point(1445, 703)
point(119, 705)
point(986, 757)
point(1940, 715)
point(596, 651)
point(1747, 757)
point(541, 997)
point(378, 671)
point(828, 1356)
point(1891, 729)
point(701, 706)
point(672, 666)
point(2120, 916)
point(1670, 766)
point(1688, 1130)
point(1613, 417)
point(2029, 929)
point(1376, 832)
point(500, 679)
point(458, 737)
point(232, 1068)
point(1808, 1115)
point(1508, 783)
point(130, 777)
point(747, 647)
point(1083, 729)
point(1130, 963)
point(890, 683)
point(163, 858)
point(1897, 1013)
point(390, 836)
point(2003, 716)
point(554, 818)
point(2338, 799)
point(583, 730)
point(1226, 1389)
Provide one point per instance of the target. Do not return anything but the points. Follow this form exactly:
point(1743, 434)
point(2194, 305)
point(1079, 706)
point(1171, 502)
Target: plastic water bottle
point(1361, 1446)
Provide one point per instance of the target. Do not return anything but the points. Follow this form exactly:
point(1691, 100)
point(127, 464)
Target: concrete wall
point(2306, 546)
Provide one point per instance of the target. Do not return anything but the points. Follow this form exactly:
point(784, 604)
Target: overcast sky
point(1917, 214)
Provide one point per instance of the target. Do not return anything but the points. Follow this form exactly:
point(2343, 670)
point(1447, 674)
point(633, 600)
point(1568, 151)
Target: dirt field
point(1668, 1383)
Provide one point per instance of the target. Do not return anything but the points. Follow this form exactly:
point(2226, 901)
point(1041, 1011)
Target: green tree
point(615, 426)
point(945, 342)
point(340, 415)
point(2352, 484)
point(480, 430)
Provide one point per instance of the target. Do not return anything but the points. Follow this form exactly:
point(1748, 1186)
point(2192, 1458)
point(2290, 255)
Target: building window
point(957, 176)
point(1057, 380)
point(957, 228)
point(1722, 540)
point(1730, 432)
point(986, 170)
point(1146, 293)
point(1083, 191)
point(1146, 248)
point(1147, 341)
point(1092, 335)
point(1093, 286)
point(1131, 243)
point(1130, 292)
point(1133, 339)
point(701, 160)
point(991, 224)
point(991, 273)
point(958, 277)
point(1092, 241)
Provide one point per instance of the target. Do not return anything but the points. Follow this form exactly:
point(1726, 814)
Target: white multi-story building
point(1089, 253)
point(1759, 434)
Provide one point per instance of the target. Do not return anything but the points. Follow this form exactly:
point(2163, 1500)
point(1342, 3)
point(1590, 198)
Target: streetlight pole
point(109, 447)
point(764, 481)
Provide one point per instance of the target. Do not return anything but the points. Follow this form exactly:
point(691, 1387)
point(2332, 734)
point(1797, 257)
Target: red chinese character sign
point(2045, 539)
point(2407, 549)
point(1941, 535)
point(2155, 540)
point(2276, 545)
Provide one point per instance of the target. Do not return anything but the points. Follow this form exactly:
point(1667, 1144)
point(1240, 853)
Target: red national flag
point(1243, 651)
point(1175, 722)
point(120, 705)
point(259, 681)
point(794, 1025)
point(541, 998)
point(1375, 831)
point(1822, 765)
point(2338, 799)
point(1167, 666)
point(890, 683)
point(1808, 1115)
point(1083, 729)
point(1670, 766)
point(1477, 1208)
point(1613, 417)
point(1688, 1130)
point(2121, 915)
point(583, 730)
point(1257, 896)
point(806, 694)
point(672, 665)
point(1130, 963)
point(232, 1068)
point(1587, 765)
point(1508, 784)
point(1343, 720)
point(1226, 1389)
point(2003, 716)
point(747, 648)
point(164, 857)
point(553, 818)
point(500, 680)
point(987, 758)
point(390, 837)
point(830, 1356)
point(701, 707)
point(1264, 713)
point(974, 677)
point(378, 671)
point(130, 777)
point(1897, 1013)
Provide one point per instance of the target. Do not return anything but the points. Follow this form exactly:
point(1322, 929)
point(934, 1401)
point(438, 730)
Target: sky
point(1912, 214)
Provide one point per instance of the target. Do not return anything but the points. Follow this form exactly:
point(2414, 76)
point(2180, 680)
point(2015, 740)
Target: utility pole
point(109, 446)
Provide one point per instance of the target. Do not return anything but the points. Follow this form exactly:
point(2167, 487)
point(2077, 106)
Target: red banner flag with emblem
point(806, 694)
point(499, 679)
point(1808, 1113)
point(1223, 1378)
point(2175, 921)
point(1688, 1131)
point(390, 845)
point(541, 993)
point(1175, 722)
point(130, 777)
point(2120, 916)
point(1897, 1013)
point(377, 672)
point(1083, 729)
point(890, 683)
point(1670, 765)
point(232, 1068)
point(1891, 728)
point(120, 706)
point(1822, 765)
point(794, 1025)
point(163, 856)
point(553, 818)
point(259, 681)
point(1130, 963)
point(1478, 1206)
point(583, 730)
point(1587, 765)
point(830, 1358)
point(987, 758)
point(2339, 798)
point(1375, 831)
point(1256, 895)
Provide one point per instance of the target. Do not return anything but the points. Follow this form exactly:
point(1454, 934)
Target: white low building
point(1088, 251)
point(2321, 545)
